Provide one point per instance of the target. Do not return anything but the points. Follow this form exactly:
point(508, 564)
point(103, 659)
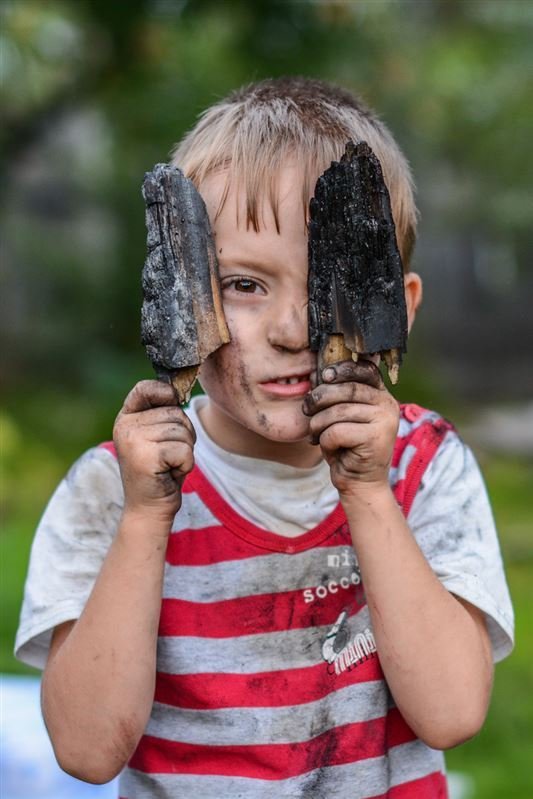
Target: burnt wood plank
point(356, 287)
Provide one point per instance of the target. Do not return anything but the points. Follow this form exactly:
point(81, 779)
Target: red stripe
point(257, 614)
point(261, 689)
point(410, 413)
point(216, 544)
point(206, 546)
point(427, 439)
point(433, 786)
point(348, 743)
point(255, 535)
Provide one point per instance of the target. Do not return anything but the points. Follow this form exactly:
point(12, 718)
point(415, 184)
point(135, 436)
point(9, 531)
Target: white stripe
point(362, 780)
point(193, 515)
point(248, 654)
point(413, 760)
point(264, 574)
point(265, 725)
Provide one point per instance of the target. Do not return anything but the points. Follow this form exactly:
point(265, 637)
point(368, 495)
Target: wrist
point(146, 522)
point(366, 495)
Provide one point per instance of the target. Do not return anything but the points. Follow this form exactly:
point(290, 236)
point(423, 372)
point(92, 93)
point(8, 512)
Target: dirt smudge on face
point(262, 421)
point(244, 382)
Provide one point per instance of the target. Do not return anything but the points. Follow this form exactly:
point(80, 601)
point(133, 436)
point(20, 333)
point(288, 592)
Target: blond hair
point(256, 130)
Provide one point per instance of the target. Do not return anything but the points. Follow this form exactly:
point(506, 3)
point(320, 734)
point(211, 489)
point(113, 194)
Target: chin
point(284, 432)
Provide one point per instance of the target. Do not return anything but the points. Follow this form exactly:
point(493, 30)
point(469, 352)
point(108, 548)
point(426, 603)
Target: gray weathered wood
point(182, 320)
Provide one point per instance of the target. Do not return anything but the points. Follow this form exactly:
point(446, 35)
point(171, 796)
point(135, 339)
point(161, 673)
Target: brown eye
point(245, 285)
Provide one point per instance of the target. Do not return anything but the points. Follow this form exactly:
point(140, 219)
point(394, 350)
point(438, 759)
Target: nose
point(288, 327)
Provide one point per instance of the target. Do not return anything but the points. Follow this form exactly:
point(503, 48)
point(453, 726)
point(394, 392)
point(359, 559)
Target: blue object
point(28, 768)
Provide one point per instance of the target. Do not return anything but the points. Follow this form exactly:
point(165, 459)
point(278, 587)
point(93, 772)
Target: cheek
point(224, 374)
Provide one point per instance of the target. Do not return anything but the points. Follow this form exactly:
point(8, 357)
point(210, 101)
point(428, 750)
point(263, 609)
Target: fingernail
point(329, 374)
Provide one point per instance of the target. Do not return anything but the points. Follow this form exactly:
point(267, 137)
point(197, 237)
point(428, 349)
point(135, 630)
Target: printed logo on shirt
point(344, 561)
point(343, 650)
point(345, 557)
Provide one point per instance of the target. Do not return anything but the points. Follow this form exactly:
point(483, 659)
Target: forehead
point(279, 249)
point(237, 200)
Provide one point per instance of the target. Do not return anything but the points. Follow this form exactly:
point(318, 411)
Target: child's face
point(257, 382)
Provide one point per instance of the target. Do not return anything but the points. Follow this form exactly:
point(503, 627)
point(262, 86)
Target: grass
point(39, 440)
point(499, 758)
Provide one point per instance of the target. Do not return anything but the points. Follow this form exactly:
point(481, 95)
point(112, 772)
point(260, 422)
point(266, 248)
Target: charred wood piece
point(182, 320)
point(356, 288)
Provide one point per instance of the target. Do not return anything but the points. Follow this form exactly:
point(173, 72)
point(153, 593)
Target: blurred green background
point(94, 93)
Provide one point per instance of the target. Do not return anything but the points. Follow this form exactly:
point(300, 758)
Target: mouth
point(297, 385)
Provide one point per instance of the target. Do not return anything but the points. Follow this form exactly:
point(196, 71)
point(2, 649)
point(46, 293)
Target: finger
point(340, 414)
point(361, 371)
point(149, 394)
point(180, 473)
point(341, 436)
point(171, 432)
point(176, 459)
point(325, 395)
point(168, 415)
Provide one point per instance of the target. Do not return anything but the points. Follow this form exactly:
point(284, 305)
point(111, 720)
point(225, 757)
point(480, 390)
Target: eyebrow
point(239, 262)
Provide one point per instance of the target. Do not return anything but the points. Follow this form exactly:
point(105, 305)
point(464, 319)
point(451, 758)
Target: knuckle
point(316, 395)
point(315, 426)
point(173, 414)
point(353, 391)
point(346, 370)
point(188, 461)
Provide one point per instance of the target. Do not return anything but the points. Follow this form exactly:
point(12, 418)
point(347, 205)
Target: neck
point(231, 436)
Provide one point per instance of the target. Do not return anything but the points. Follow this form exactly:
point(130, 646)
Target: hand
point(154, 441)
point(355, 421)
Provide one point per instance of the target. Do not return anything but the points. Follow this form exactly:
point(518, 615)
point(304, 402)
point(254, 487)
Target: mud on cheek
point(262, 421)
point(244, 381)
point(229, 372)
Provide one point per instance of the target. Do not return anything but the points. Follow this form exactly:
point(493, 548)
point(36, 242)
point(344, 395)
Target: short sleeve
point(70, 544)
point(452, 521)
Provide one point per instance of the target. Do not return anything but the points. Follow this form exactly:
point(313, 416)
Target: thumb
point(149, 394)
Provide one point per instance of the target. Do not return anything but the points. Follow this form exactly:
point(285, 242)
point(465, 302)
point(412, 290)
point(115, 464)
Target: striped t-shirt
point(268, 679)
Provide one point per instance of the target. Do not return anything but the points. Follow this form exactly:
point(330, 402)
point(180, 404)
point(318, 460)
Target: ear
point(413, 295)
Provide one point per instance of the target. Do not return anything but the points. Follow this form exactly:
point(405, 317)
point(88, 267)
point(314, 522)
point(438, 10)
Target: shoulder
point(451, 518)
point(422, 433)
point(94, 468)
point(70, 544)
point(93, 481)
point(414, 417)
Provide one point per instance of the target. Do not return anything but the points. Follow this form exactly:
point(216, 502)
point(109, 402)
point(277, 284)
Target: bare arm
point(98, 684)
point(433, 648)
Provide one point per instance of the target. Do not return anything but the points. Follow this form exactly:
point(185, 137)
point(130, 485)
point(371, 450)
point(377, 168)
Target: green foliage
point(499, 758)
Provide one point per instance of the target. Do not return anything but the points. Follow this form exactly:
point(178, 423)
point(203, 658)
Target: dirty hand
point(154, 441)
point(355, 420)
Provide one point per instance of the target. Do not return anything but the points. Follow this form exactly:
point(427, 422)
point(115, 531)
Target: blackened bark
point(356, 284)
point(182, 320)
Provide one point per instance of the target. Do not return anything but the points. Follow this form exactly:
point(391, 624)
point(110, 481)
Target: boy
point(314, 608)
